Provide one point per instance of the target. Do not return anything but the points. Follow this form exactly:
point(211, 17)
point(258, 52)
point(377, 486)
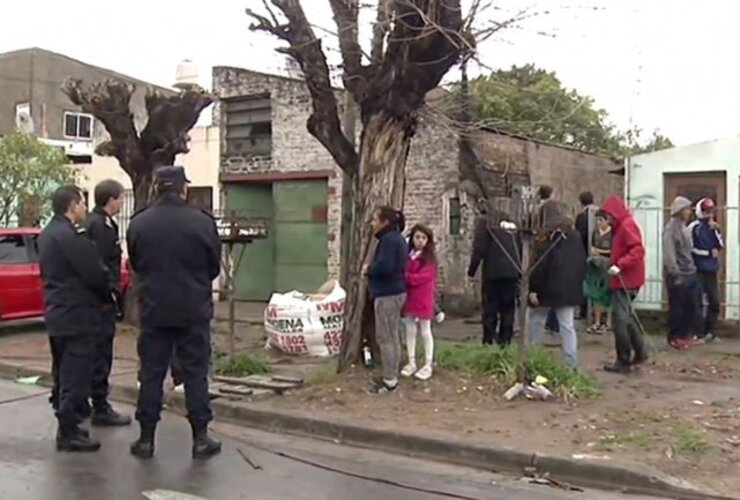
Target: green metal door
point(300, 231)
point(255, 278)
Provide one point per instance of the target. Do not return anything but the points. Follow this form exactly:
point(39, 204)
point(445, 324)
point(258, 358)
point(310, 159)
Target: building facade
point(31, 100)
point(272, 167)
point(709, 169)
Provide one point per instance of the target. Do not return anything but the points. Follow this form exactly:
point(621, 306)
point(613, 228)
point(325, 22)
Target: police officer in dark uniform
point(175, 251)
point(76, 295)
point(102, 229)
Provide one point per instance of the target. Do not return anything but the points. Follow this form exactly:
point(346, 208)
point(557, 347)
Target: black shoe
point(383, 387)
point(617, 368)
point(144, 446)
point(640, 359)
point(108, 417)
point(205, 446)
point(76, 441)
point(80, 430)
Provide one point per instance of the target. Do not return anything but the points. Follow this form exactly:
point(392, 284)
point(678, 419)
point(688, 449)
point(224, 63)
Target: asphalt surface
point(30, 468)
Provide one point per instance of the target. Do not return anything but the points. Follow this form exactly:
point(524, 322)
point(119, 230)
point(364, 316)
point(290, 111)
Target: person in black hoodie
point(495, 244)
point(556, 281)
point(386, 281)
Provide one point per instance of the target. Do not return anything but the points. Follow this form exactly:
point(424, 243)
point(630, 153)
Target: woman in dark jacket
point(556, 282)
point(386, 280)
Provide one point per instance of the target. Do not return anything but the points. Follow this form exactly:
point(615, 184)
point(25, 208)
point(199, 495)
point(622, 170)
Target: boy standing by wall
point(707, 243)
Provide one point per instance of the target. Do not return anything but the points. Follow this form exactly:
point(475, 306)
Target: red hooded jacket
point(628, 251)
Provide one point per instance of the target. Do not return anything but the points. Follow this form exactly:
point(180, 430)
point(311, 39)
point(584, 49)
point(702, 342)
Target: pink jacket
point(421, 285)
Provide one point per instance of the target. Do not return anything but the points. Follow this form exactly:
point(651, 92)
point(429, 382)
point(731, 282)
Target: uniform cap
point(170, 176)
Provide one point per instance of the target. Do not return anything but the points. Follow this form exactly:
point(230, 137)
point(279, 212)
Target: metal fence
point(652, 220)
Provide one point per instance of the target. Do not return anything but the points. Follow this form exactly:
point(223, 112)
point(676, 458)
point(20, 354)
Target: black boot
point(106, 416)
point(76, 440)
point(144, 446)
point(617, 367)
point(84, 432)
point(203, 445)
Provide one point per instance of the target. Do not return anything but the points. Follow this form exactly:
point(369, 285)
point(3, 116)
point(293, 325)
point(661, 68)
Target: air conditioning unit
point(23, 119)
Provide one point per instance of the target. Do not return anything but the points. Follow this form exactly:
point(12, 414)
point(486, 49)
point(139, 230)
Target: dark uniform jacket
point(175, 251)
point(102, 229)
point(498, 248)
point(560, 271)
point(76, 283)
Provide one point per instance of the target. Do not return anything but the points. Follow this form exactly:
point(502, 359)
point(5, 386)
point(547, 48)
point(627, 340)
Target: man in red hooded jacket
point(628, 276)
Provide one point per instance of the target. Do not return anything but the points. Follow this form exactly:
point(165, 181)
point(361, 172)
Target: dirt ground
point(680, 414)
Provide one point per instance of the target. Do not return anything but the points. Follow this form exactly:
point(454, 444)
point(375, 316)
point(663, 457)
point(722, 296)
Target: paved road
point(30, 468)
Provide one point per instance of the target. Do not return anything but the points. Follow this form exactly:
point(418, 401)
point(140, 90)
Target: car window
point(13, 250)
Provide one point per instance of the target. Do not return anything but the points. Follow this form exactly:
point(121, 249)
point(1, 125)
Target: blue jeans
point(569, 339)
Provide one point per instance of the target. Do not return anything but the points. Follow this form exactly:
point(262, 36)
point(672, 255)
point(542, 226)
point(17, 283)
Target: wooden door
point(696, 186)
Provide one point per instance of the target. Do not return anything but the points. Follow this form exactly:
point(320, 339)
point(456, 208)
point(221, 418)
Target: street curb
point(625, 478)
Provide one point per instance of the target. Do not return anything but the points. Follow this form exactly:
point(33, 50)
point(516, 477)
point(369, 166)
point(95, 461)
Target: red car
point(21, 295)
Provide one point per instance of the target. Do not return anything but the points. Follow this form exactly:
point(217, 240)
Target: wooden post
point(523, 308)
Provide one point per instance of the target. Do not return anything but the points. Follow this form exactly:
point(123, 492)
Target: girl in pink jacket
point(421, 285)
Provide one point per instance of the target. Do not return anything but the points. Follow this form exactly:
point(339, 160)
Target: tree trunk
point(142, 183)
point(383, 151)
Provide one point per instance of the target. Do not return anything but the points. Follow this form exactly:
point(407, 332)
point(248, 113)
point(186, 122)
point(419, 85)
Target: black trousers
point(72, 366)
point(684, 314)
point(193, 348)
point(103, 364)
point(499, 306)
point(710, 287)
point(627, 334)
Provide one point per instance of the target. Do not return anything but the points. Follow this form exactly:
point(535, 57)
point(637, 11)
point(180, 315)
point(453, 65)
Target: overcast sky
point(665, 64)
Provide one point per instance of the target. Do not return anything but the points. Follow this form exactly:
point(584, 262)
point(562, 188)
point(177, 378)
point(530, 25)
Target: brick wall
point(433, 175)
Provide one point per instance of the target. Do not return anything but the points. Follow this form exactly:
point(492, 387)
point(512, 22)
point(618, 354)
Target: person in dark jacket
point(175, 251)
point(679, 271)
point(495, 245)
point(556, 282)
point(77, 294)
point(102, 229)
point(627, 273)
point(387, 284)
point(707, 244)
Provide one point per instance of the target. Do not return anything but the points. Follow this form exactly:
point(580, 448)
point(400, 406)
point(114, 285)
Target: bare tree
point(170, 117)
point(414, 44)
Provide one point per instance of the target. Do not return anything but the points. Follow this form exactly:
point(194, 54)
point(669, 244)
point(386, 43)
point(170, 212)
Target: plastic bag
point(306, 324)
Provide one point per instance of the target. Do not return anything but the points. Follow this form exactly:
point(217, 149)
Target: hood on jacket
point(615, 206)
point(680, 203)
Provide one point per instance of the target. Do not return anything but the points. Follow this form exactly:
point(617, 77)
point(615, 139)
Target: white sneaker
point(440, 317)
point(409, 370)
point(425, 373)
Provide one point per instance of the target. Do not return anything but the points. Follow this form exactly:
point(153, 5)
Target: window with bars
point(249, 126)
point(455, 216)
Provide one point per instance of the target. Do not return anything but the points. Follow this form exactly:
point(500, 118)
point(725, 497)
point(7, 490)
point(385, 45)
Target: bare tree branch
point(306, 49)
point(346, 17)
point(109, 102)
point(380, 30)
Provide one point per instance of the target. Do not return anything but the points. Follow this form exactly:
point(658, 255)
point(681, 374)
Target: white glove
point(614, 271)
point(509, 226)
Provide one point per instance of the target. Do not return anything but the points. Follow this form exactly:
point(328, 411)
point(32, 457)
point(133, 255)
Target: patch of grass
point(324, 374)
point(688, 441)
point(502, 364)
point(639, 439)
point(649, 416)
point(242, 365)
